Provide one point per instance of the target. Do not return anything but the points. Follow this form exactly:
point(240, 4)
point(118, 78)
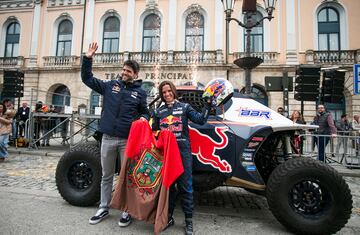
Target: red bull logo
point(204, 147)
point(171, 123)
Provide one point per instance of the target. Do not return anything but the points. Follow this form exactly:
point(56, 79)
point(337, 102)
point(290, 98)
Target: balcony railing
point(346, 57)
point(108, 59)
point(163, 58)
point(149, 57)
point(195, 57)
point(156, 58)
point(268, 57)
point(11, 62)
point(60, 61)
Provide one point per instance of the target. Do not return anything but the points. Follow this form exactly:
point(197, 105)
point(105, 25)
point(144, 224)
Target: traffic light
point(333, 86)
point(307, 81)
point(13, 84)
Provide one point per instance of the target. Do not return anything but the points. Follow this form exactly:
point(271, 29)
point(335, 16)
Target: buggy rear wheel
point(309, 197)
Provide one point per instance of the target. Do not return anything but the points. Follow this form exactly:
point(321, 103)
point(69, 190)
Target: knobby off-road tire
point(309, 197)
point(78, 175)
point(205, 181)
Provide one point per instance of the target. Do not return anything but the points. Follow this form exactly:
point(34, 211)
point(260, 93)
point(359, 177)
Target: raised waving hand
point(92, 49)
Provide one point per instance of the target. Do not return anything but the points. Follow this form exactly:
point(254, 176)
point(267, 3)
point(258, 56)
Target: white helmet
point(220, 89)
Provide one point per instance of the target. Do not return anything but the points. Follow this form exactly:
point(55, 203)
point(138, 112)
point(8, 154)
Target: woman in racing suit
point(174, 116)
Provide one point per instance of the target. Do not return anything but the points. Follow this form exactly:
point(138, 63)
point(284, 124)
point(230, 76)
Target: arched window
point(256, 34)
point(12, 40)
point(151, 33)
point(258, 94)
point(64, 37)
point(61, 96)
point(194, 32)
point(328, 29)
point(111, 35)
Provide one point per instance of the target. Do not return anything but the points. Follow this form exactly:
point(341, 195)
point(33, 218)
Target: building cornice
point(64, 3)
point(16, 5)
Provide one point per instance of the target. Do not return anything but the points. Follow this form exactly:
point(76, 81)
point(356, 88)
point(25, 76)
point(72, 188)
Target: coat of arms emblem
point(147, 171)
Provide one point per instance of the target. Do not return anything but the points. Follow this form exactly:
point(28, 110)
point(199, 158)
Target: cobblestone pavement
point(38, 173)
point(30, 172)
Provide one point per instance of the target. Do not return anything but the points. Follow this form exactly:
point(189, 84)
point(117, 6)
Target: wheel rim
point(80, 175)
point(309, 198)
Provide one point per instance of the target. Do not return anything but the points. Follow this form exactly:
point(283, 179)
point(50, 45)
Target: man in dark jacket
point(22, 116)
point(326, 127)
point(124, 102)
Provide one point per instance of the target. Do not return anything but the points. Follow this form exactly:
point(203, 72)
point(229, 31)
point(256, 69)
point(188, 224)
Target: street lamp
point(249, 8)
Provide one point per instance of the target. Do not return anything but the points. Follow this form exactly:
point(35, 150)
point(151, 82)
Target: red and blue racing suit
point(175, 118)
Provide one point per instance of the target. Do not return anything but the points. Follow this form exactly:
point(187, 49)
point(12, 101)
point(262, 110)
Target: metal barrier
point(344, 148)
point(71, 129)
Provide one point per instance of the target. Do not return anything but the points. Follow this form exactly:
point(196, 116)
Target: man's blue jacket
point(123, 102)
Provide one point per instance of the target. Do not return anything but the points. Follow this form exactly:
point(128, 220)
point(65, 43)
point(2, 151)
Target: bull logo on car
point(204, 147)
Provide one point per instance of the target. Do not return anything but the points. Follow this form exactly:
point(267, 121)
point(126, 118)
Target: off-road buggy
point(245, 144)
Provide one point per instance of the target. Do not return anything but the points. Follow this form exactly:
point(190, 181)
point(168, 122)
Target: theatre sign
point(156, 76)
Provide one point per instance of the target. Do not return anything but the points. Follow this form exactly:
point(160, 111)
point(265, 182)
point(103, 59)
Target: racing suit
point(175, 118)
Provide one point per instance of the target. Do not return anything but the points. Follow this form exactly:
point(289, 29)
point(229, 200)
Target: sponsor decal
point(178, 112)
point(204, 147)
point(171, 123)
point(147, 171)
point(249, 150)
point(134, 93)
point(245, 164)
point(163, 110)
point(247, 154)
point(253, 144)
point(257, 138)
point(248, 158)
point(246, 112)
point(115, 89)
point(250, 168)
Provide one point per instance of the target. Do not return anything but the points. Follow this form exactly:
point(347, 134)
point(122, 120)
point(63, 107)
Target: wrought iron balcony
point(346, 57)
point(11, 62)
point(269, 58)
point(61, 61)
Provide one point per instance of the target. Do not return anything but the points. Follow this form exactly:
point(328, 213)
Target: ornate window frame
point(64, 16)
point(109, 13)
point(343, 17)
point(202, 11)
point(10, 20)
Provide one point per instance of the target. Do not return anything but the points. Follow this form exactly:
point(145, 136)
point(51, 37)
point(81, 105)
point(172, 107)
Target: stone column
point(35, 34)
point(130, 26)
point(89, 24)
point(291, 51)
point(172, 25)
point(219, 22)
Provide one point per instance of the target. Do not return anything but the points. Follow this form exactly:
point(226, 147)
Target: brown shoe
point(2, 159)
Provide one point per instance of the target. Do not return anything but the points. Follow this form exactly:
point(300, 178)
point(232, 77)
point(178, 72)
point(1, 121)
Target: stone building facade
point(178, 40)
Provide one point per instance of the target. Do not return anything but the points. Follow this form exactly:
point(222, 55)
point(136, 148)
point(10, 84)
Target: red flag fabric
point(146, 174)
point(140, 137)
point(173, 167)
